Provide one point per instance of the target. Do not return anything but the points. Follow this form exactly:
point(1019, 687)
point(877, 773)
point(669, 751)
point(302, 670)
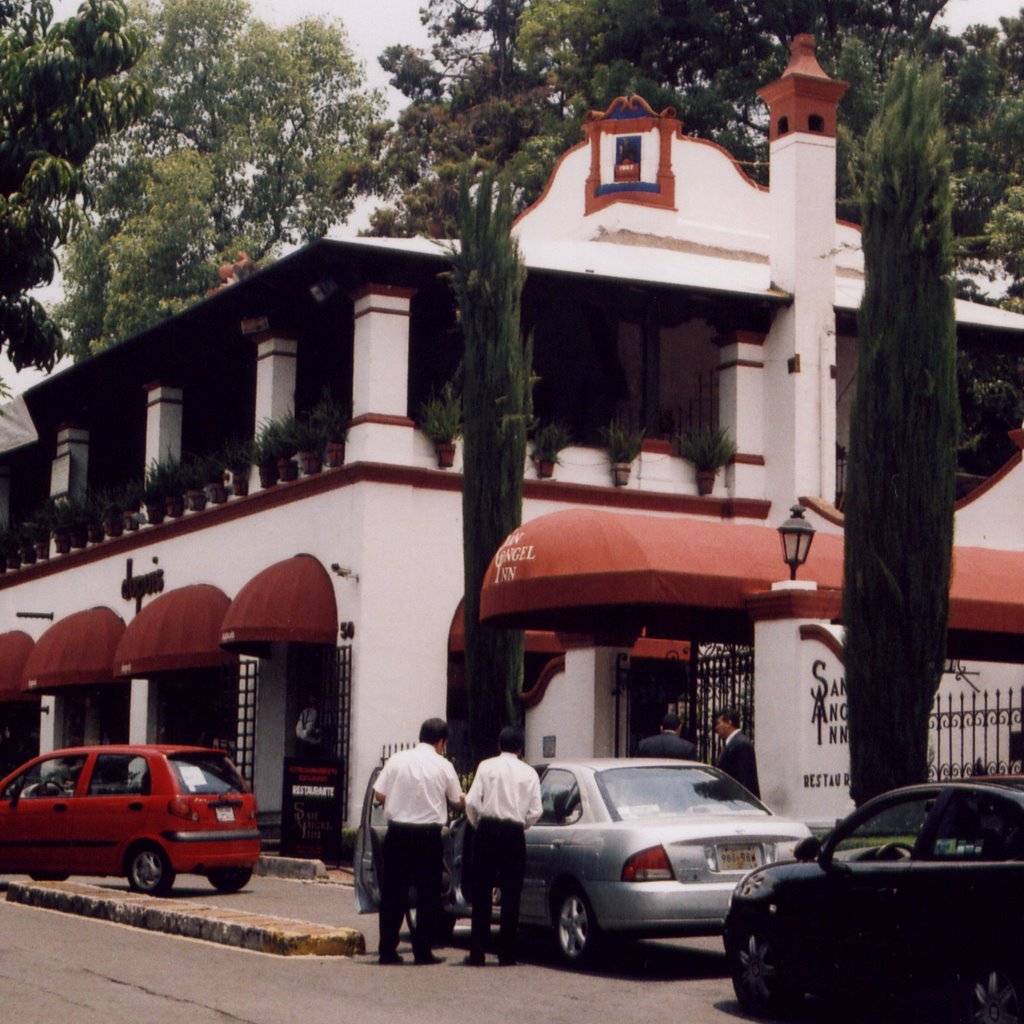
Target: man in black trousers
point(502, 803)
point(737, 757)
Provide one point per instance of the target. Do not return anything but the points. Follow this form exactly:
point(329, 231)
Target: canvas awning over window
point(289, 602)
point(179, 630)
point(15, 647)
point(75, 651)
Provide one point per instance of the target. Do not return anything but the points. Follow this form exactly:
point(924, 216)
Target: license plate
point(738, 858)
point(225, 813)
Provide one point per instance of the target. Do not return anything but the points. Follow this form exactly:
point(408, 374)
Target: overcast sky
point(372, 27)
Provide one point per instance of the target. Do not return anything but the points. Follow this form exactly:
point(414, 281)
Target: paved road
point(56, 968)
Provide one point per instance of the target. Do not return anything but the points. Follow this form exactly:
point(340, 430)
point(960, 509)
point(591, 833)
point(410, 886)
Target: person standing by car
point(503, 801)
point(668, 742)
point(737, 757)
point(415, 786)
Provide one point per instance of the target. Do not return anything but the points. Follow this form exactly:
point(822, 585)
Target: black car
point(918, 892)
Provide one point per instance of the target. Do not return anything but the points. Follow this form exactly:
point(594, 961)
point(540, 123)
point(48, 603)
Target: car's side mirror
point(807, 850)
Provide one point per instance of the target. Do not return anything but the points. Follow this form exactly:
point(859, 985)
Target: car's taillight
point(182, 807)
point(648, 866)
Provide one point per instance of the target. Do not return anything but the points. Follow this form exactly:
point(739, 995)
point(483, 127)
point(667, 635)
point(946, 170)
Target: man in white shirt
point(502, 803)
point(415, 786)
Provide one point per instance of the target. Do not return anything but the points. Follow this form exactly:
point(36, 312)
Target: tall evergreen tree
point(903, 432)
point(488, 278)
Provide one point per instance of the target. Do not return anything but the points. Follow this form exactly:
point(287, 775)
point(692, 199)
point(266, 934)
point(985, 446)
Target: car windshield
point(666, 791)
point(206, 774)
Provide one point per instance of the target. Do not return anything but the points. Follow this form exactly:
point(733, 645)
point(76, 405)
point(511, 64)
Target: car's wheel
point(229, 879)
point(756, 973)
point(48, 876)
point(993, 996)
point(149, 870)
point(576, 929)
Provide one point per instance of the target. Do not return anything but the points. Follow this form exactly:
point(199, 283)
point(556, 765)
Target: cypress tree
point(488, 278)
point(903, 434)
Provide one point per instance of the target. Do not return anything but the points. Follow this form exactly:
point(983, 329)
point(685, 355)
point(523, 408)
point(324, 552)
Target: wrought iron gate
point(976, 734)
point(719, 676)
point(240, 687)
point(335, 707)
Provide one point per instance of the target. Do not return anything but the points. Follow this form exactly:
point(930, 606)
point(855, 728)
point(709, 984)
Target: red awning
point(179, 630)
point(75, 651)
point(15, 647)
point(288, 602)
point(592, 572)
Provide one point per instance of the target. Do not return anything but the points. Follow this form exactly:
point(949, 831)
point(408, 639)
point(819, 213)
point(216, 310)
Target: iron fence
point(976, 734)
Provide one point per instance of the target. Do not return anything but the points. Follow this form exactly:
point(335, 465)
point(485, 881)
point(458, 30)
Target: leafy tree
point(487, 278)
point(248, 128)
point(903, 430)
point(62, 91)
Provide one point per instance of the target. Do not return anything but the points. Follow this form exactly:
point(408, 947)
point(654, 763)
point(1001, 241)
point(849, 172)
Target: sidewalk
point(261, 933)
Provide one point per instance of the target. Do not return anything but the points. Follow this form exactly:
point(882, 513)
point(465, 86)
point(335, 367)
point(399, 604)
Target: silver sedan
point(626, 848)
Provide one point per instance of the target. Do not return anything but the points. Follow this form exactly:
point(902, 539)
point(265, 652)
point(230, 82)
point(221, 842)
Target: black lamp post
point(796, 534)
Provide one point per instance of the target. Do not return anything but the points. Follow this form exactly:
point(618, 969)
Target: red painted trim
point(751, 364)
point(382, 418)
point(771, 605)
point(814, 631)
point(742, 459)
point(532, 697)
point(656, 446)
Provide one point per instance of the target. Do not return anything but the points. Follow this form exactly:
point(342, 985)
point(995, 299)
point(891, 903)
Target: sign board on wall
point(311, 809)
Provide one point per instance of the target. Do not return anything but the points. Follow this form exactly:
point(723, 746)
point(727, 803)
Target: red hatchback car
point(144, 812)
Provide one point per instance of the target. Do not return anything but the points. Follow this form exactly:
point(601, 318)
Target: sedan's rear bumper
point(661, 908)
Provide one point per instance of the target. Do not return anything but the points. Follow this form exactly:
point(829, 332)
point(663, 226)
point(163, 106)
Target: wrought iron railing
point(976, 734)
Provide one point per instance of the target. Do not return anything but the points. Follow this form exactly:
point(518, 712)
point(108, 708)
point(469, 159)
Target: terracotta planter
point(620, 473)
point(79, 536)
point(445, 454)
point(130, 522)
point(62, 542)
point(335, 454)
point(94, 533)
point(287, 470)
point(14, 561)
point(28, 554)
point(268, 476)
point(240, 483)
point(155, 512)
point(705, 481)
point(216, 494)
point(174, 505)
point(545, 468)
point(195, 500)
point(42, 549)
point(311, 463)
point(114, 525)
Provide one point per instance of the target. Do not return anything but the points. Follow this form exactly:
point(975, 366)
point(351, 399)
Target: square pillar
point(381, 430)
point(142, 712)
point(276, 359)
point(164, 405)
point(741, 409)
point(69, 472)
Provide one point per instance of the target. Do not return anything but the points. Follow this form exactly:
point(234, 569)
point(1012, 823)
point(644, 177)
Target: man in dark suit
point(737, 757)
point(668, 742)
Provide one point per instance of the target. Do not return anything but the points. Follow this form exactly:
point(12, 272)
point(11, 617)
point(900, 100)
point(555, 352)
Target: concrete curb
point(291, 867)
point(259, 933)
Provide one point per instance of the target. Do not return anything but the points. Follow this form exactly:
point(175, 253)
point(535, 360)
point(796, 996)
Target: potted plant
point(236, 459)
point(130, 499)
point(109, 506)
point(271, 450)
point(194, 477)
point(166, 478)
point(709, 450)
point(79, 516)
point(10, 549)
point(330, 417)
point(548, 441)
point(94, 531)
point(37, 531)
point(153, 496)
point(309, 441)
point(441, 421)
point(623, 445)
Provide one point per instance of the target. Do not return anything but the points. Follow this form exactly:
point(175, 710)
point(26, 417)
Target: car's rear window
point(206, 774)
point(655, 792)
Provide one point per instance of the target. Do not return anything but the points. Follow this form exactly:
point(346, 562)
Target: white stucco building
point(665, 289)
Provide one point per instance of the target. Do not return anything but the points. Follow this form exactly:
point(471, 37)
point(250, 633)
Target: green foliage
point(62, 91)
point(903, 432)
point(248, 128)
point(548, 441)
point(441, 415)
point(274, 440)
point(330, 417)
point(487, 278)
point(165, 478)
point(622, 442)
point(709, 450)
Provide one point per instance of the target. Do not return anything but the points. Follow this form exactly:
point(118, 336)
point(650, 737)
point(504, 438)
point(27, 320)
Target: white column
point(276, 359)
point(271, 730)
point(381, 430)
point(50, 734)
point(164, 406)
point(142, 712)
point(69, 473)
point(741, 409)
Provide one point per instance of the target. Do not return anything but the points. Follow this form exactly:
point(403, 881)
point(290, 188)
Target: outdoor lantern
point(796, 534)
